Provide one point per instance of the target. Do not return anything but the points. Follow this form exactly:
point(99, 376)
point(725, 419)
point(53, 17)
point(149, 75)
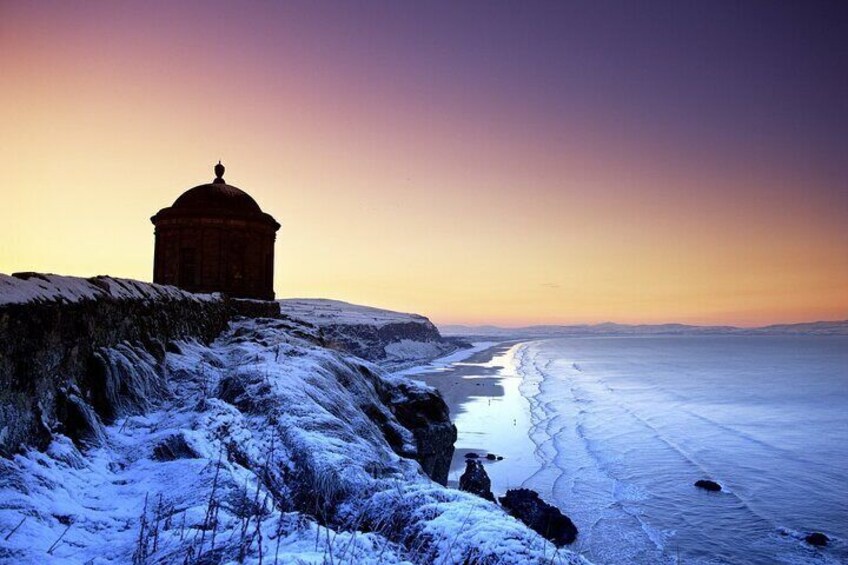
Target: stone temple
point(215, 238)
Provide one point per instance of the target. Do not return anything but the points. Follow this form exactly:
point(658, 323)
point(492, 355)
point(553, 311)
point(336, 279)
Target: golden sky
point(474, 172)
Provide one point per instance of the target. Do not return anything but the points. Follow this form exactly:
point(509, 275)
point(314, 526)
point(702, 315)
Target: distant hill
point(612, 329)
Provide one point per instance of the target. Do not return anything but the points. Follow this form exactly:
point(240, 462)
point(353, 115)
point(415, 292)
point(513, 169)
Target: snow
point(442, 364)
point(32, 287)
point(322, 312)
point(406, 350)
point(394, 340)
point(289, 457)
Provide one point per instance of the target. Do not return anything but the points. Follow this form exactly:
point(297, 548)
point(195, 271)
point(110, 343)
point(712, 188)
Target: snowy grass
point(286, 461)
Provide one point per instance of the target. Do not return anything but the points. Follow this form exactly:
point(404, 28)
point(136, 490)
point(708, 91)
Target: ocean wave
point(626, 457)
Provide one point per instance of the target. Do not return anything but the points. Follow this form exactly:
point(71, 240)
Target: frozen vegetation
point(262, 445)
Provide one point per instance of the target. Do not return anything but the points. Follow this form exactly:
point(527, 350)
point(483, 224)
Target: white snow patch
point(442, 364)
point(322, 312)
point(34, 287)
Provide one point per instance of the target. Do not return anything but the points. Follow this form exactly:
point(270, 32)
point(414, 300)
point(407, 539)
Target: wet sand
point(491, 416)
point(474, 376)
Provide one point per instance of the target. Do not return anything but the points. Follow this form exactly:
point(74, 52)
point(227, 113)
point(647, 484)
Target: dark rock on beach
point(706, 484)
point(546, 520)
point(817, 539)
point(491, 457)
point(476, 481)
point(471, 455)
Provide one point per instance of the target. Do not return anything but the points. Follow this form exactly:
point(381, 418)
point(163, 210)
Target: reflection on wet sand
point(491, 415)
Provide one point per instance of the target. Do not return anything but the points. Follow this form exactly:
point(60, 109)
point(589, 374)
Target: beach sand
point(490, 413)
point(470, 377)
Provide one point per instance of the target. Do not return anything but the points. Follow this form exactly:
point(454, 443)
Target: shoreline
point(483, 393)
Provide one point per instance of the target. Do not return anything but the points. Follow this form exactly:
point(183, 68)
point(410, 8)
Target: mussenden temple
point(215, 238)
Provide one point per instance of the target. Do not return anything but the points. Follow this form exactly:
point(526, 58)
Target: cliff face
point(394, 340)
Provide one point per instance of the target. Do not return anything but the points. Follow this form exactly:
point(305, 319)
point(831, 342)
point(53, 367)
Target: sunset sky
point(476, 162)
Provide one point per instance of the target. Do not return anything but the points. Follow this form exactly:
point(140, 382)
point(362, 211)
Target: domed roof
point(215, 199)
point(217, 195)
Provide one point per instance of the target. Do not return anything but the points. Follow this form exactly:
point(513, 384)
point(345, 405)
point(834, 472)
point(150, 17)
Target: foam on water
point(622, 428)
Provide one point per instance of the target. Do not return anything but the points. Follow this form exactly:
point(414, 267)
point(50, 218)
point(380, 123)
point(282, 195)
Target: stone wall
point(52, 362)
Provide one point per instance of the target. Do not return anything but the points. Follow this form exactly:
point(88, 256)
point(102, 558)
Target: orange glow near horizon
point(421, 192)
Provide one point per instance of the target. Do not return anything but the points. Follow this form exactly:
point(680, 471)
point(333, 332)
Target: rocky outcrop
point(391, 339)
point(370, 342)
point(706, 484)
point(547, 520)
point(423, 412)
point(817, 539)
point(476, 481)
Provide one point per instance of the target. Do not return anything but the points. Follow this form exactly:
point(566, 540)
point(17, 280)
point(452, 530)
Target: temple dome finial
point(219, 173)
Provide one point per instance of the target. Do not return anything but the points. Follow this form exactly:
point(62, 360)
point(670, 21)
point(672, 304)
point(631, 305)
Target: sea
point(616, 430)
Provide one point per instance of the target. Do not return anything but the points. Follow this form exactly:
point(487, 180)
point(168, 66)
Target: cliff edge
point(394, 340)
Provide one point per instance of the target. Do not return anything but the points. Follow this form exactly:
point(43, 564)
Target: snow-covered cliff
point(164, 427)
point(393, 339)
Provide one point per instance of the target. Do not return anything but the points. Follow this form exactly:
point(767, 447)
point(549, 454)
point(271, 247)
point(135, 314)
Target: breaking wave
point(623, 427)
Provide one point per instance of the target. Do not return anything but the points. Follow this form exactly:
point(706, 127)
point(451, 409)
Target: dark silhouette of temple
point(215, 238)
